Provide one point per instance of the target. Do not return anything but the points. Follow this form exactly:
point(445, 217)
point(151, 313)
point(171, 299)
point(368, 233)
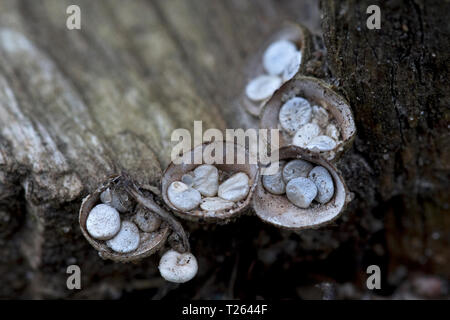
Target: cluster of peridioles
point(307, 191)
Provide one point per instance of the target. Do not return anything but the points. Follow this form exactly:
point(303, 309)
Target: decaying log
point(79, 105)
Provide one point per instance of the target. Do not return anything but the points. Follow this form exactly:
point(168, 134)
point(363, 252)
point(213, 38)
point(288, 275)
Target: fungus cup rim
point(292, 31)
point(278, 210)
point(315, 91)
point(174, 172)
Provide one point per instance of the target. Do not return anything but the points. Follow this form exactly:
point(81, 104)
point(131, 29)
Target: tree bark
point(397, 81)
point(79, 105)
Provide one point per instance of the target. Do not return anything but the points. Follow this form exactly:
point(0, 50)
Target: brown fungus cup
point(311, 115)
point(213, 182)
point(278, 210)
point(263, 74)
point(147, 242)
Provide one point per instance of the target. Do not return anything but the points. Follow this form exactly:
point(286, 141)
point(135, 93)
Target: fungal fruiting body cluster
point(307, 191)
point(121, 231)
point(111, 220)
point(281, 61)
point(210, 188)
point(302, 182)
point(308, 125)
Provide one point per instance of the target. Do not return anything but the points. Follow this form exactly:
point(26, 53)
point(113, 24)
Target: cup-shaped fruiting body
point(311, 115)
point(225, 185)
point(280, 58)
point(306, 202)
point(178, 267)
point(129, 243)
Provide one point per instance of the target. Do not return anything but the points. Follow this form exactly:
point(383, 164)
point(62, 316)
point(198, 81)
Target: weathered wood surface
point(76, 106)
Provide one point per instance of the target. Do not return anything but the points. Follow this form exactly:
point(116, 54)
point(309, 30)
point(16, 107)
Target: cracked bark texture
point(77, 106)
point(397, 81)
